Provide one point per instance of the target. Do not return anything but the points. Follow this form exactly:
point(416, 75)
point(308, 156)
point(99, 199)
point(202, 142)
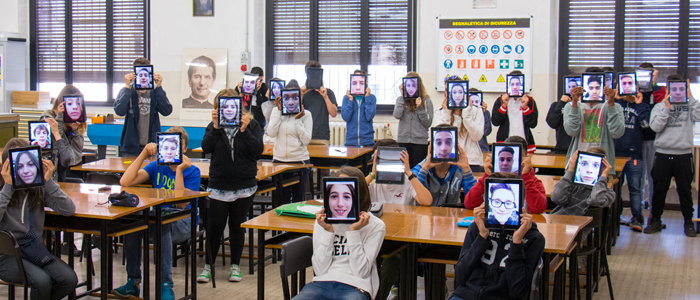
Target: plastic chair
point(296, 257)
point(9, 247)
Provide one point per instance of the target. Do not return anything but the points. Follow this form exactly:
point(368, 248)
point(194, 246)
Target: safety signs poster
point(484, 51)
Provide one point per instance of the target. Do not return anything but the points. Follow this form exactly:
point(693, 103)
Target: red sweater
point(535, 195)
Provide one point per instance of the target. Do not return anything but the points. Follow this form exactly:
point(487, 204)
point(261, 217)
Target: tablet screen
point(144, 77)
point(341, 201)
point(411, 88)
point(249, 84)
point(644, 78)
point(444, 144)
point(291, 101)
point(571, 82)
point(516, 85)
point(229, 111)
point(276, 87)
point(588, 168)
point(390, 168)
point(628, 84)
point(476, 98)
point(677, 91)
point(40, 134)
point(609, 79)
point(457, 94)
point(169, 148)
point(358, 84)
point(503, 202)
point(74, 109)
point(26, 167)
point(593, 87)
point(507, 157)
point(314, 78)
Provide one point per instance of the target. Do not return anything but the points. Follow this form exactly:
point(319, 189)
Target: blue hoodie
point(362, 115)
point(630, 144)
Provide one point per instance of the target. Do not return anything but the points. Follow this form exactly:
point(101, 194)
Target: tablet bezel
point(221, 113)
point(432, 144)
point(494, 155)
point(40, 168)
point(379, 177)
point(487, 202)
point(158, 161)
point(355, 200)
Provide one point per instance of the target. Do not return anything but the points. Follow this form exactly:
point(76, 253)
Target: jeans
point(648, 159)
point(634, 173)
point(330, 290)
point(55, 280)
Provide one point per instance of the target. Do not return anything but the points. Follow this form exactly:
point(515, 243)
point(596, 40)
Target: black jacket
point(127, 104)
point(499, 117)
point(555, 120)
point(224, 173)
point(502, 273)
point(260, 99)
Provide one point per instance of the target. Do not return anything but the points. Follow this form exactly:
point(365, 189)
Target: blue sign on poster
point(507, 49)
point(471, 49)
point(483, 49)
point(495, 49)
point(448, 64)
point(519, 49)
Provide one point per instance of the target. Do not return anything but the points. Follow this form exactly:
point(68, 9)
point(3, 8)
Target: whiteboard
point(484, 50)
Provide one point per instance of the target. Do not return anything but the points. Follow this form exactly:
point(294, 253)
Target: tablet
point(609, 82)
point(593, 87)
point(40, 135)
point(457, 94)
point(507, 157)
point(276, 87)
point(358, 84)
point(314, 78)
point(588, 168)
point(26, 167)
point(443, 140)
point(476, 98)
point(249, 84)
point(291, 101)
point(644, 78)
point(627, 82)
point(341, 199)
point(169, 148)
point(411, 88)
point(515, 86)
point(144, 77)
point(571, 82)
point(677, 91)
point(229, 111)
point(390, 168)
point(503, 198)
point(74, 111)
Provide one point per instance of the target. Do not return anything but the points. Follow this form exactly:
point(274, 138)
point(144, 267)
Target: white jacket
point(473, 119)
point(291, 135)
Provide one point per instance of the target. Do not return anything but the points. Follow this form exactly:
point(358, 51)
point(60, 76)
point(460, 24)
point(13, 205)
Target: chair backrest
point(296, 257)
point(9, 247)
point(535, 286)
point(598, 224)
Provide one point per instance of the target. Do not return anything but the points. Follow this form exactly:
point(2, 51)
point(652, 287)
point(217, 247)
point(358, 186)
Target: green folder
point(292, 210)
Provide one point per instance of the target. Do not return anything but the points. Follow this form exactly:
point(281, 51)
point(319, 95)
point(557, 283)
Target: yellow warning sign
point(483, 78)
point(465, 77)
point(500, 79)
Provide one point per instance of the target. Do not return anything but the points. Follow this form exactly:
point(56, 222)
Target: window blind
point(694, 37)
point(291, 21)
point(89, 41)
point(388, 32)
point(339, 32)
point(591, 34)
point(129, 40)
point(51, 40)
point(651, 34)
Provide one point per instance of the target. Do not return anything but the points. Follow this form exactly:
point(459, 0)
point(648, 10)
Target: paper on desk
point(312, 209)
point(337, 151)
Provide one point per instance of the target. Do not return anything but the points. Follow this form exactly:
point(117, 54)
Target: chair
point(534, 292)
point(296, 257)
point(596, 251)
point(9, 246)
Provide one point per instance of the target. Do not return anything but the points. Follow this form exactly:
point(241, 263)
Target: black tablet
point(358, 84)
point(644, 78)
point(229, 111)
point(390, 168)
point(504, 201)
point(443, 141)
point(593, 87)
point(249, 84)
point(609, 80)
point(677, 91)
point(411, 87)
point(507, 157)
point(627, 84)
point(276, 87)
point(169, 148)
point(74, 109)
point(26, 167)
point(515, 85)
point(40, 135)
point(341, 199)
point(588, 168)
point(291, 101)
point(571, 82)
point(144, 77)
point(314, 78)
point(476, 98)
point(457, 94)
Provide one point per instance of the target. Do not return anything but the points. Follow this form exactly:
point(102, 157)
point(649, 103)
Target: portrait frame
point(203, 10)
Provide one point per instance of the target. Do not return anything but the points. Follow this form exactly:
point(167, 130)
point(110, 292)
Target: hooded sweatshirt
point(495, 268)
point(674, 126)
point(604, 126)
point(414, 127)
point(499, 117)
point(473, 119)
point(16, 219)
point(575, 199)
point(360, 127)
point(535, 194)
point(69, 150)
point(636, 116)
point(291, 135)
point(555, 120)
point(450, 185)
point(127, 105)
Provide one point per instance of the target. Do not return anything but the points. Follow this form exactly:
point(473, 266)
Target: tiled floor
point(658, 266)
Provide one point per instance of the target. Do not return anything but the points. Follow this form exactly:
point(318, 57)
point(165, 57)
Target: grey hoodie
point(575, 199)
point(414, 127)
point(674, 126)
point(16, 219)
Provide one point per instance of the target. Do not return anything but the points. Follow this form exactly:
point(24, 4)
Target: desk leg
point(261, 264)
point(146, 281)
point(363, 162)
point(573, 272)
point(157, 257)
point(544, 284)
point(101, 151)
point(71, 259)
point(277, 194)
point(193, 248)
point(407, 285)
point(104, 265)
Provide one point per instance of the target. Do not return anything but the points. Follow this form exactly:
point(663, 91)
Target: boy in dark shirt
point(555, 120)
point(320, 103)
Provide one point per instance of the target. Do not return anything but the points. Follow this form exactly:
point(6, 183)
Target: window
point(343, 35)
point(591, 34)
point(651, 35)
point(89, 43)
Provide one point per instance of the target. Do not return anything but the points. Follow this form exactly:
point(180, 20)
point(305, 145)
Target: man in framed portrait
point(203, 7)
point(201, 75)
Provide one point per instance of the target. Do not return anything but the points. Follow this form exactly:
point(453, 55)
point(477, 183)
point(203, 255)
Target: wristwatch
point(410, 177)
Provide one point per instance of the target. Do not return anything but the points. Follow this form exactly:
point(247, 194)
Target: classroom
point(349, 149)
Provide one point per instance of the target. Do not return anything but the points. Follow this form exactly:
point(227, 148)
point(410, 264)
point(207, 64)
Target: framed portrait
point(203, 8)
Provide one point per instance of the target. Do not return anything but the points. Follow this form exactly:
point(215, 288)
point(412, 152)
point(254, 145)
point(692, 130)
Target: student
point(593, 124)
point(22, 213)
point(521, 111)
point(292, 133)
point(470, 122)
point(652, 98)
point(555, 120)
point(358, 112)
point(636, 117)
point(494, 264)
point(254, 103)
point(349, 274)
point(445, 178)
point(232, 192)
point(535, 195)
point(140, 109)
point(172, 177)
point(673, 125)
point(415, 117)
point(320, 103)
point(267, 108)
point(575, 199)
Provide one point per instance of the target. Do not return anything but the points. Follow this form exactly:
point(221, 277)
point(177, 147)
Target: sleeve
point(425, 114)
point(421, 174)
point(535, 194)
point(273, 126)
point(370, 109)
point(694, 109)
point(347, 109)
point(643, 113)
point(57, 200)
point(498, 113)
point(468, 181)
point(193, 179)
point(260, 96)
point(163, 105)
point(304, 127)
point(363, 254)
point(77, 141)
point(475, 196)
point(123, 101)
point(331, 97)
point(554, 115)
point(560, 194)
point(475, 125)
point(601, 195)
point(151, 168)
point(521, 264)
point(487, 123)
point(659, 117)
point(399, 108)
point(211, 137)
point(572, 120)
point(616, 121)
point(5, 195)
point(443, 116)
point(469, 259)
point(323, 249)
point(64, 152)
point(530, 114)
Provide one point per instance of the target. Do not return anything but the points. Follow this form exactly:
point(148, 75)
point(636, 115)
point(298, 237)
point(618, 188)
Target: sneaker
point(205, 275)
point(393, 294)
point(235, 275)
point(166, 293)
point(689, 229)
point(130, 289)
point(653, 227)
point(64, 250)
point(637, 224)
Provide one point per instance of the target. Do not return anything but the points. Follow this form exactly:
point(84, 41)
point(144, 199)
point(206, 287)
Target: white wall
point(9, 17)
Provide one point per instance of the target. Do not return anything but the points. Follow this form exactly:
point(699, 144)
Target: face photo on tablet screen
point(291, 101)
point(677, 91)
point(588, 169)
point(475, 99)
point(169, 148)
point(570, 85)
point(40, 134)
point(276, 87)
point(358, 84)
point(507, 159)
point(341, 198)
point(445, 144)
point(27, 167)
point(230, 111)
point(516, 85)
point(593, 87)
point(249, 82)
point(410, 87)
point(458, 94)
point(503, 203)
point(144, 77)
point(74, 109)
point(628, 84)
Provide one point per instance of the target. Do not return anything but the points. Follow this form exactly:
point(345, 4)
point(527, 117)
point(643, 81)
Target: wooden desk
point(109, 220)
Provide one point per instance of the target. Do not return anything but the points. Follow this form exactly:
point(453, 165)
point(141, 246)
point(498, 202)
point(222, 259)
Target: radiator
point(338, 129)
